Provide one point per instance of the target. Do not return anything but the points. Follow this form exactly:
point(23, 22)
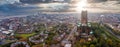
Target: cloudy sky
point(8, 1)
point(106, 5)
point(93, 5)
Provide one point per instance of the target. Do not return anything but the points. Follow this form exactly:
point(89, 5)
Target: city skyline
point(59, 23)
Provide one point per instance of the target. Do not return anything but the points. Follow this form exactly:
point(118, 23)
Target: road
point(72, 32)
point(118, 36)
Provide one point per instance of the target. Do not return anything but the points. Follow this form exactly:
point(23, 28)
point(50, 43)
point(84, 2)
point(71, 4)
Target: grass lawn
point(24, 36)
point(38, 45)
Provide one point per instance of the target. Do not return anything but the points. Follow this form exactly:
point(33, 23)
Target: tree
point(109, 42)
point(82, 41)
point(39, 45)
point(84, 46)
point(92, 45)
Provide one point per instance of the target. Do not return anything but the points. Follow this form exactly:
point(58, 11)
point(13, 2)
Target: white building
point(68, 45)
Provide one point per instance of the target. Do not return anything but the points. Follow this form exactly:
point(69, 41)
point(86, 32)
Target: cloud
point(96, 1)
point(8, 1)
point(107, 6)
point(42, 1)
point(34, 1)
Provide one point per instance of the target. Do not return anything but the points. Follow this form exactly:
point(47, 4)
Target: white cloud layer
point(8, 1)
point(108, 6)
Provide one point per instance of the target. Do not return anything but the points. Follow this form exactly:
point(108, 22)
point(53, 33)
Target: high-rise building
point(84, 19)
point(83, 28)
